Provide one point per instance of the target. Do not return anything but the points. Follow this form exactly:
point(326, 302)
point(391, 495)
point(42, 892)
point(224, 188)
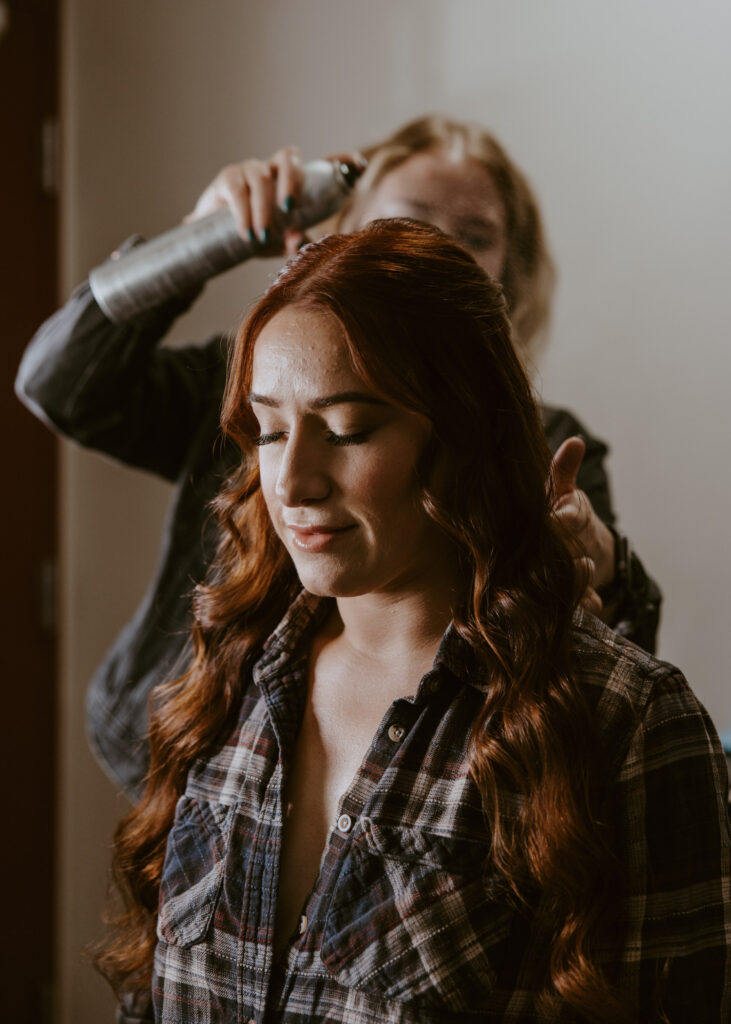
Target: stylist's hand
point(594, 540)
point(253, 190)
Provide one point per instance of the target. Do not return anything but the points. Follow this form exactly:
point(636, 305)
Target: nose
point(303, 476)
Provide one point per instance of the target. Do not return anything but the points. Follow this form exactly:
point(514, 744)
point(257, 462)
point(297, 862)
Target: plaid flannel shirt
point(406, 923)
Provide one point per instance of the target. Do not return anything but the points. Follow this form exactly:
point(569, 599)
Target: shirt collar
point(455, 655)
point(459, 658)
point(305, 613)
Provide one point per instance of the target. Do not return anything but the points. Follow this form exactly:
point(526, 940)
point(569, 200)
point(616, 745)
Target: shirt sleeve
point(114, 388)
point(676, 850)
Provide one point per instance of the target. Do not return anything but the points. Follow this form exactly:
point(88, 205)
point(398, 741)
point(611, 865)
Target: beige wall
point(617, 111)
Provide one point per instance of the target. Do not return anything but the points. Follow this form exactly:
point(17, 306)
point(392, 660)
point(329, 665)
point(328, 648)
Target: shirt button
point(302, 926)
point(396, 733)
point(345, 823)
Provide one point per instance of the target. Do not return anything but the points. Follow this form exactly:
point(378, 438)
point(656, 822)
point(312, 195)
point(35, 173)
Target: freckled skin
point(300, 358)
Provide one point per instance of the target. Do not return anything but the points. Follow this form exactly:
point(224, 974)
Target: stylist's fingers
point(574, 511)
point(261, 181)
point(230, 188)
point(254, 190)
point(566, 464)
point(294, 239)
point(583, 527)
point(248, 190)
point(585, 576)
point(592, 602)
point(286, 165)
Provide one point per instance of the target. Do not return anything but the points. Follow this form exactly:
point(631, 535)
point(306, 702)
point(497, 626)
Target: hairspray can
point(187, 255)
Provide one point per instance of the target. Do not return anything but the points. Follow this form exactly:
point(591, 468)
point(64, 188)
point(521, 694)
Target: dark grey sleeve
point(114, 388)
point(637, 597)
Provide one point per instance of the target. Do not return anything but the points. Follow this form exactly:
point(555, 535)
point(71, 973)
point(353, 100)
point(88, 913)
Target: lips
point(316, 538)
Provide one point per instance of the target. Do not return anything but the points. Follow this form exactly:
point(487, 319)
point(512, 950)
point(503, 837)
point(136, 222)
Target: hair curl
point(426, 328)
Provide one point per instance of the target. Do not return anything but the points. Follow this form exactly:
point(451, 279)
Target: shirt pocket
point(414, 918)
point(192, 873)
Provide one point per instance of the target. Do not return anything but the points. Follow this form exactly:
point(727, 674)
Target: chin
point(330, 584)
point(323, 588)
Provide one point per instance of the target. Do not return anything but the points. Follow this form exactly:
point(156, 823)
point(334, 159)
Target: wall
point(618, 113)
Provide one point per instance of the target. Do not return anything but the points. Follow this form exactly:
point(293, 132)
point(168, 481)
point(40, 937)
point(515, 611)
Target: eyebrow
point(341, 398)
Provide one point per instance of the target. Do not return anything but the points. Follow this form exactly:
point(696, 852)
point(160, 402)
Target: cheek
point(388, 487)
point(268, 469)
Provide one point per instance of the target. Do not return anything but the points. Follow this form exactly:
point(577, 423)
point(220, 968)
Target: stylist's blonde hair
point(529, 274)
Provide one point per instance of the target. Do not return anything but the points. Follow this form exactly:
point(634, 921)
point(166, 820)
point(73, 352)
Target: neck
point(393, 628)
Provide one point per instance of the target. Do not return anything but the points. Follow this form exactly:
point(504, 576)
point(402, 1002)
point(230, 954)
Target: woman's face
point(452, 191)
point(338, 464)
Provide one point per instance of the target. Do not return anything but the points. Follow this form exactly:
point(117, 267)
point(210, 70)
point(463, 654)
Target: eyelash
point(336, 440)
point(262, 439)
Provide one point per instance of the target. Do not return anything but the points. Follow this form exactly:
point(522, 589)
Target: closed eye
point(340, 440)
point(263, 439)
point(337, 440)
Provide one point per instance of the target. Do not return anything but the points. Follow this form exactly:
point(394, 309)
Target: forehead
point(443, 181)
point(300, 350)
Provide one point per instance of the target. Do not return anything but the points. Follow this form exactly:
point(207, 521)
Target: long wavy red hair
point(427, 329)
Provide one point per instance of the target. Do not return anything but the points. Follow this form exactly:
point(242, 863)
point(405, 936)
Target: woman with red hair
point(406, 777)
point(116, 388)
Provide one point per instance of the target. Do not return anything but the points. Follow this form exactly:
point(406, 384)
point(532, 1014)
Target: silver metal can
point(184, 257)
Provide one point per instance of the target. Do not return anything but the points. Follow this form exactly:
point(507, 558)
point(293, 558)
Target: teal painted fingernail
point(252, 236)
point(264, 235)
point(288, 204)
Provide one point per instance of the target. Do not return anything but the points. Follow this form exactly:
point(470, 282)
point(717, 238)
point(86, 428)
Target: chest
point(329, 756)
point(338, 727)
